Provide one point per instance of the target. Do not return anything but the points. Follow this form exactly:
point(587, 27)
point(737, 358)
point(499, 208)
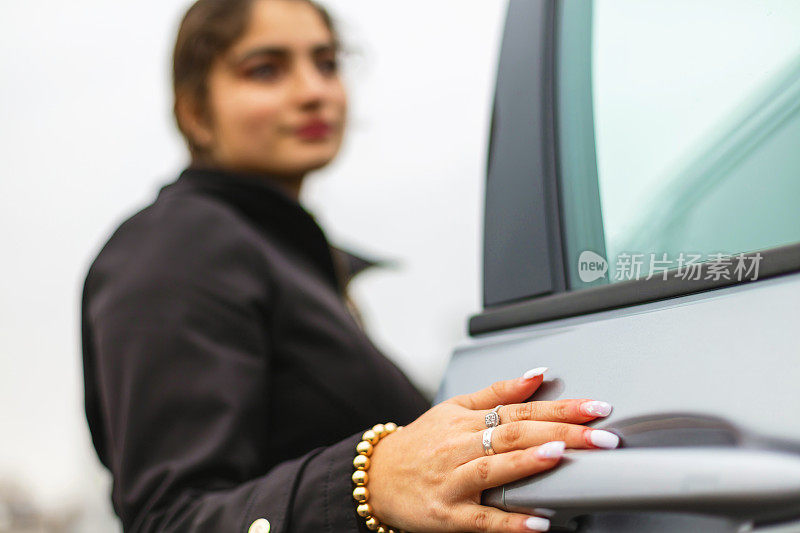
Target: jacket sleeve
point(176, 366)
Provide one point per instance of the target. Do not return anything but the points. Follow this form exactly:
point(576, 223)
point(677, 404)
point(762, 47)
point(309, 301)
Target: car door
point(642, 240)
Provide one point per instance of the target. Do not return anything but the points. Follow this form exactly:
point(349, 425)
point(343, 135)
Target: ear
point(194, 121)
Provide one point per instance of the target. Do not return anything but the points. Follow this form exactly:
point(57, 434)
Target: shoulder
point(181, 242)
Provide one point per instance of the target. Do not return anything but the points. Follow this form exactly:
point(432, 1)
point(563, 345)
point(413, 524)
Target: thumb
point(503, 392)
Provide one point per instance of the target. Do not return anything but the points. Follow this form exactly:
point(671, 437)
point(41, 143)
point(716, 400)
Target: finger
point(575, 411)
point(494, 470)
point(483, 519)
point(524, 434)
point(503, 392)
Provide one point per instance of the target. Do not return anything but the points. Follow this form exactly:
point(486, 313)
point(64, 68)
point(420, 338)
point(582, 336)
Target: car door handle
point(738, 483)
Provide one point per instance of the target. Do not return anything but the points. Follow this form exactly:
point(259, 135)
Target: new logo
point(591, 266)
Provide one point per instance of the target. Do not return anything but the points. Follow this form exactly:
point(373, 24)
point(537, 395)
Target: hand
point(429, 475)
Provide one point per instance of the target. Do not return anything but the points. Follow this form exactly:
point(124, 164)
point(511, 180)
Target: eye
point(328, 65)
point(264, 71)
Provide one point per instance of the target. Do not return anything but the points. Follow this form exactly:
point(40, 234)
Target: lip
point(314, 129)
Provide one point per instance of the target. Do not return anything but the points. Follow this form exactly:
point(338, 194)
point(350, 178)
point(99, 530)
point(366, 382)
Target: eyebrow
point(280, 51)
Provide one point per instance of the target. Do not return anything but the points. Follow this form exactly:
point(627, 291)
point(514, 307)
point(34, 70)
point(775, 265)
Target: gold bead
point(360, 477)
point(364, 510)
point(370, 436)
point(372, 523)
point(381, 529)
point(361, 462)
point(380, 429)
point(364, 448)
point(390, 427)
point(360, 494)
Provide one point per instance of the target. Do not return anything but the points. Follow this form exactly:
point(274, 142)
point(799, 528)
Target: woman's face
point(276, 101)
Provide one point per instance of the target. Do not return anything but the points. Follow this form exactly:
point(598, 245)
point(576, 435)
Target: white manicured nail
point(532, 373)
point(552, 449)
point(603, 439)
point(537, 523)
point(596, 408)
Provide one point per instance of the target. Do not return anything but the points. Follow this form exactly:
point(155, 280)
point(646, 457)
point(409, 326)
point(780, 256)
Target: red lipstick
point(314, 129)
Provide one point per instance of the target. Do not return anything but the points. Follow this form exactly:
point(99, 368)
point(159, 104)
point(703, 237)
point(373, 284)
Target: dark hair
point(208, 29)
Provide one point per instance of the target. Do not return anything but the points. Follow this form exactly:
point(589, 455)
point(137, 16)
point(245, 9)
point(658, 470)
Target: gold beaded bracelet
point(361, 494)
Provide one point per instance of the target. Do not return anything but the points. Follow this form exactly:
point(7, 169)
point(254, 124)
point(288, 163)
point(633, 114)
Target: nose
point(310, 85)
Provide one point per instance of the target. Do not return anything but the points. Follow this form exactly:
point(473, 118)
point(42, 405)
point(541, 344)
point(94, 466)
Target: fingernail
point(532, 373)
point(596, 408)
point(537, 523)
point(603, 439)
point(552, 449)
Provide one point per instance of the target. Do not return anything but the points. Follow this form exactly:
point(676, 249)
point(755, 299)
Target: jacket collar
point(353, 264)
point(280, 215)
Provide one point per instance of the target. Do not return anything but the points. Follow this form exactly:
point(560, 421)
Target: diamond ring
point(493, 418)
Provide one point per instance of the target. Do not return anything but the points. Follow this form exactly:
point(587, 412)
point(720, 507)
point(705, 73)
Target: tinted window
point(679, 130)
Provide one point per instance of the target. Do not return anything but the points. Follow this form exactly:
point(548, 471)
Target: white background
point(86, 139)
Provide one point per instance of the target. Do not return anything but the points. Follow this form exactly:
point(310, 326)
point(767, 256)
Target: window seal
point(774, 262)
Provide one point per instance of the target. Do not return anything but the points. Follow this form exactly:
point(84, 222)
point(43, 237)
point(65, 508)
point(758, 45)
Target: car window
point(679, 133)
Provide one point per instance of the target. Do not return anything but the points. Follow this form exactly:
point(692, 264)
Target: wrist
point(361, 476)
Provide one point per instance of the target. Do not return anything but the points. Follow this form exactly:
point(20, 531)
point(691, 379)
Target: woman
point(227, 383)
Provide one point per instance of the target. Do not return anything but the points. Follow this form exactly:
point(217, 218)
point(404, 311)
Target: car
point(642, 241)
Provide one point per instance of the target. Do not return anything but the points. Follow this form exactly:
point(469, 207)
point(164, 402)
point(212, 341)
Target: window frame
point(522, 255)
point(528, 266)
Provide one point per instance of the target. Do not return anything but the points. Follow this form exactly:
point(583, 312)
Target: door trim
point(773, 262)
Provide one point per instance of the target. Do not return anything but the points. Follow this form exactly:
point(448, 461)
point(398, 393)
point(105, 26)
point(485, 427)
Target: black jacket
point(225, 378)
